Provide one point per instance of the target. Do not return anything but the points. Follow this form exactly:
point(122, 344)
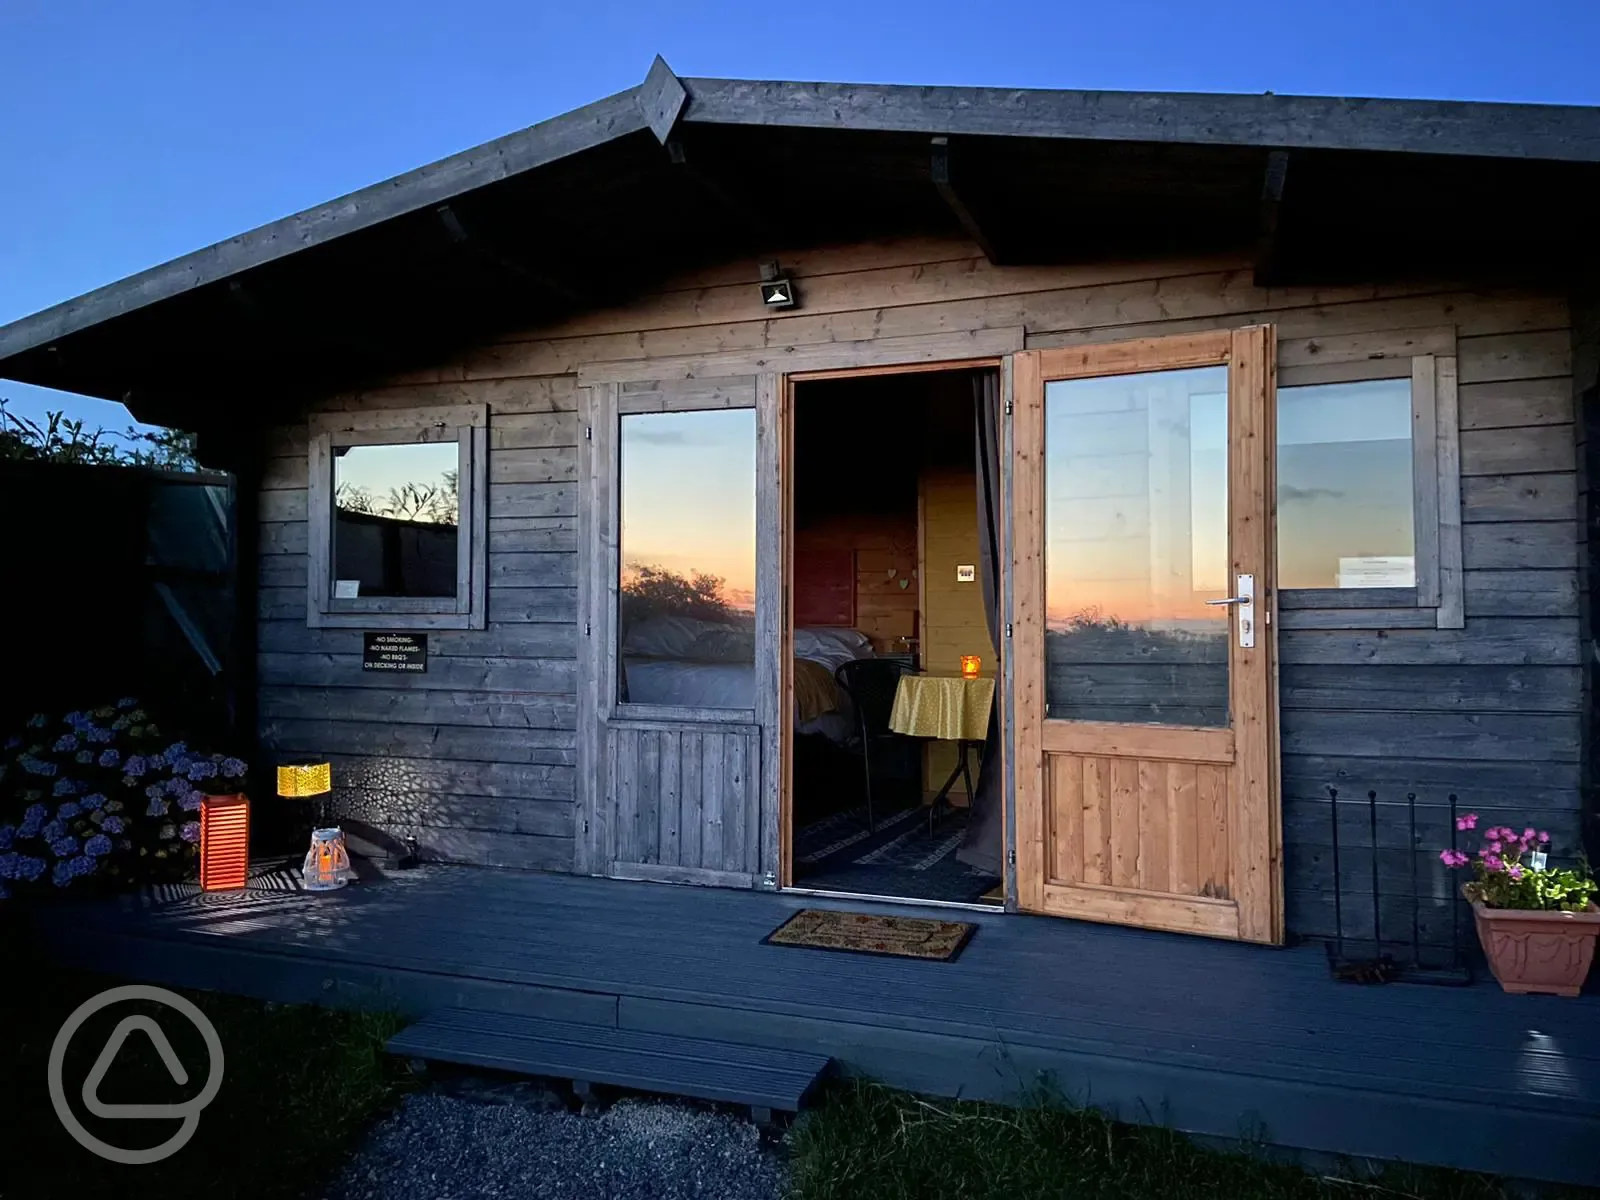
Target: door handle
point(1245, 601)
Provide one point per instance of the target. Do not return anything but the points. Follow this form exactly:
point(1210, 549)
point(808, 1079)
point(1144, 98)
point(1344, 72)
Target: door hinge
point(1008, 628)
point(588, 433)
point(586, 629)
point(1011, 858)
point(1008, 408)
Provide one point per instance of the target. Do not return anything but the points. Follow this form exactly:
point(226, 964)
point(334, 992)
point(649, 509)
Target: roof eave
point(1470, 129)
point(662, 101)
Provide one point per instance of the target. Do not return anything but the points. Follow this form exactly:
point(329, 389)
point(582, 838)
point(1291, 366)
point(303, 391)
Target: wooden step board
point(760, 1076)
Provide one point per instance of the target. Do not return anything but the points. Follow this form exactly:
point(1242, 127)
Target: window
point(1345, 486)
point(1136, 543)
point(396, 520)
point(687, 559)
point(397, 507)
point(1369, 487)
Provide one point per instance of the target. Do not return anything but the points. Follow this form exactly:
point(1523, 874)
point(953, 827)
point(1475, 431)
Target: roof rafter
point(1270, 219)
point(944, 182)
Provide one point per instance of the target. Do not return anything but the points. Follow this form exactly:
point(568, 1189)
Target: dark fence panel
point(118, 581)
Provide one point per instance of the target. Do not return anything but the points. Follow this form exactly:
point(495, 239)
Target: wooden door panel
point(685, 801)
point(1123, 814)
point(1148, 824)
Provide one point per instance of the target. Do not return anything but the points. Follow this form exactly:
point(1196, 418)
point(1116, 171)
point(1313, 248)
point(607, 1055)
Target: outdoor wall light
point(777, 290)
point(971, 664)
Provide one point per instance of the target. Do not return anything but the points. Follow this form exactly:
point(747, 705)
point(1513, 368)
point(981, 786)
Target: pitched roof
point(574, 210)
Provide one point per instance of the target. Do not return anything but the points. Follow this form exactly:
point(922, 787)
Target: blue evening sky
point(133, 133)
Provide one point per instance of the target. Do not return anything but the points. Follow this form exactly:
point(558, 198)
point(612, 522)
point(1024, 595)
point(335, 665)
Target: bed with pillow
point(687, 662)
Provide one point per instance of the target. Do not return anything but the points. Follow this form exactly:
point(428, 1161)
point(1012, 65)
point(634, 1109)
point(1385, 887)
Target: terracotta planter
point(1547, 952)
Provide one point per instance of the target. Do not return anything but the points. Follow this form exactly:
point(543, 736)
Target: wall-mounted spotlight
point(777, 290)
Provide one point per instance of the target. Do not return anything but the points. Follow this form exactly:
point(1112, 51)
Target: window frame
point(1428, 359)
point(630, 400)
point(468, 427)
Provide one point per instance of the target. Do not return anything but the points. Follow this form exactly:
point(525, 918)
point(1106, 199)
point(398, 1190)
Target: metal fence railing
point(1397, 914)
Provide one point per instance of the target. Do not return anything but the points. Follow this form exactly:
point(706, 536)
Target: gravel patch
point(454, 1146)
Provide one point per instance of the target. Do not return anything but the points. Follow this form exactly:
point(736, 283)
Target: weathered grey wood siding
point(1490, 712)
point(477, 755)
point(1585, 303)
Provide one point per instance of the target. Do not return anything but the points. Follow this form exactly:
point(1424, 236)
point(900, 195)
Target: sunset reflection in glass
point(686, 602)
point(1136, 542)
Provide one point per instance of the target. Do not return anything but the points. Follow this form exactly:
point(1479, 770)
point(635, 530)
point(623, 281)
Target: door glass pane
point(397, 510)
point(686, 602)
point(1344, 486)
point(1136, 542)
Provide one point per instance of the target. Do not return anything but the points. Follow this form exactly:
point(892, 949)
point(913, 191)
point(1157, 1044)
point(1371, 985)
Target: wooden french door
point(1145, 700)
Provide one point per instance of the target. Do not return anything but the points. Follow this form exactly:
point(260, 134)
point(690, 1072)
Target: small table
point(951, 708)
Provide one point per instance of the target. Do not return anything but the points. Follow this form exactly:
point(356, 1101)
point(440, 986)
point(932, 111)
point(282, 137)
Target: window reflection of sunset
point(688, 486)
point(1344, 479)
point(1136, 498)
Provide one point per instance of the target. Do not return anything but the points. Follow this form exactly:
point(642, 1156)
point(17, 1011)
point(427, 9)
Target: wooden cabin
point(1241, 439)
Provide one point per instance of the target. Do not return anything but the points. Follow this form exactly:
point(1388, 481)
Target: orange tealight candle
point(970, 666)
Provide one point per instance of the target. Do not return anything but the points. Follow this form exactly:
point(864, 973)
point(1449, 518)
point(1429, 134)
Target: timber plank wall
point(476, 756)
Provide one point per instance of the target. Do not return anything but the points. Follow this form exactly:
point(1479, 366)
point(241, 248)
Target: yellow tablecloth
point(942, 706)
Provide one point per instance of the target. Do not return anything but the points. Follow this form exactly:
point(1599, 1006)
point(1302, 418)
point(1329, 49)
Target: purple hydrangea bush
point(103, 798)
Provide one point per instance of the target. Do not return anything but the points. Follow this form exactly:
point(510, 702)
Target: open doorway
point(895, 770)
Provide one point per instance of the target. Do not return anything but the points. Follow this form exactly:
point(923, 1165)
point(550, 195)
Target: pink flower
point(1469, 821)
point(1514, 871)
point(1453, 858)
point(1494, 862)
point(1496, 846)
point(1543, 838)
point(1529, 834)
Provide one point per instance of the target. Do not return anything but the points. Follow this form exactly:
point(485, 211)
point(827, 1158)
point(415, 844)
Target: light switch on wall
point(966, 574)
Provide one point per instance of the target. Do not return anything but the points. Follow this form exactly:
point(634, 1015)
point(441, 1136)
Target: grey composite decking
point(1208, 1037)
point(703, 1069)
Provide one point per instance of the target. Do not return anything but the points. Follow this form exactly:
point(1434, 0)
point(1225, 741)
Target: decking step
point(760, 1076)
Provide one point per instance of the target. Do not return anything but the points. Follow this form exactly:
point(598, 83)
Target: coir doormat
point(867, 933)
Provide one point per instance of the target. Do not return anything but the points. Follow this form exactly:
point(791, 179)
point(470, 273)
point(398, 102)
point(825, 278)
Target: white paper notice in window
point(1378, 571)
point(346, 589)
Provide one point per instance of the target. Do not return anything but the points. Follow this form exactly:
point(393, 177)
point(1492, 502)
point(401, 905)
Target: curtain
point(983, 845)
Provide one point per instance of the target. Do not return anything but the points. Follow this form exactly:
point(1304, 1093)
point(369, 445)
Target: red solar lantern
point(224, 843)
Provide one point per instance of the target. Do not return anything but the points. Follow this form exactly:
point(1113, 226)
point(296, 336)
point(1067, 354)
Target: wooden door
point(678, 668)
point(1144, 668)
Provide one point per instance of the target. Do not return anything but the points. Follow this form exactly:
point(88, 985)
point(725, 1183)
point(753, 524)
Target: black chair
point(871, 684)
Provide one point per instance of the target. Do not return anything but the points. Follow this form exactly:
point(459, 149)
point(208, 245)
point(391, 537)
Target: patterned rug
point(839, 854)
point(868, 933)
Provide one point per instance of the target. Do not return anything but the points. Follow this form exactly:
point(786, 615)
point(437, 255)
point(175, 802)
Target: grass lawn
point(299, 1086)
point(868, 1142)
